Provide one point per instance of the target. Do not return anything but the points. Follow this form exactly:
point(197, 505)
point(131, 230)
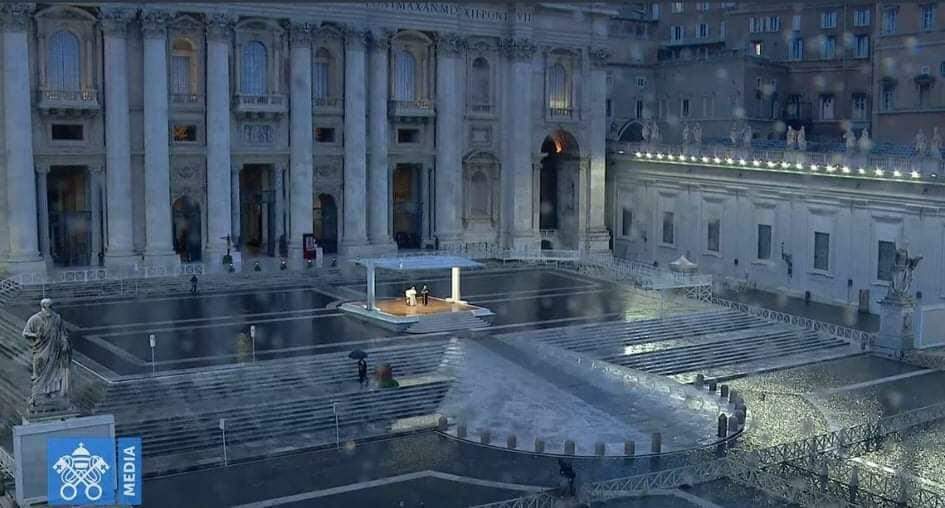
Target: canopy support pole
point(455, 280)
point(370, 287)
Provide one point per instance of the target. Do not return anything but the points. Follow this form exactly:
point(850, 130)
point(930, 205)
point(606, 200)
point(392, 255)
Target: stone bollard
point(656, 443)
point(712, 386)
point(733, 424)
point(569, 447)
point(485, 437)
point(723, 426)
point(732, 395)
point(723, 391)
point(511, 442)
point(600, 449)
point(700, 380)
point(461, 431)
point(629, 448)
point(441, 424)
point(539, 445)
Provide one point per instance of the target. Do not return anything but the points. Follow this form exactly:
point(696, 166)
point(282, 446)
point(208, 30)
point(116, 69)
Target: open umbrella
point(357, 354)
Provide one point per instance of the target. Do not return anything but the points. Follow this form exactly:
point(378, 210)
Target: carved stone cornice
point(42, 170)
point(154, 23)
point(220, 26)
point(450, 44)
point(519, 49)
point(599, 56)
point(114, 20)
point(300, 34)
point(16, 17)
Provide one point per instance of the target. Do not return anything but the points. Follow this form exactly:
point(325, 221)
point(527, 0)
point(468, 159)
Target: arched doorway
point(188, 234)
point(325, 226)
point(559, 187)
point(70, 215)
point(407, 211)
point(257, 210)
point(632, 133)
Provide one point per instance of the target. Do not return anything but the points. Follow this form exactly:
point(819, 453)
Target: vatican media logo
point(84, 471)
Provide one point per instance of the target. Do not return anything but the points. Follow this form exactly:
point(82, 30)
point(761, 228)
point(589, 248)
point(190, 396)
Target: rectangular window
point(828, 19)
point(676, 33)
point(626, 227)
point(703, 31)
point(822, 251)
point(678, 6)
point(639, 109)
point(861, 17)
point(796, 22)
point(655, 10)
point(862, 49)
point(67, 132)
point(609, 107)
point(797, 49)
point(641, 82)
point(712, 240)
point(185, 133)
point(889, 20)
point(774, 23)
point(886, 259)
point(754, 24)
point(757, 48)
point(722, 30)
point(928, 17)
point(829, 47)
point(793, 108)
point(859, 107)
point(764, 241)
point(888, 98)
point(669, 237)
point(408, 136)
point(327, 135)
point(702, 6)
point(826, 107)
point(684, 108)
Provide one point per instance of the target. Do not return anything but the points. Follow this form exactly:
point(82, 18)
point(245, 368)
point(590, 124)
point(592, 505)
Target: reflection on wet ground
point(792, 305)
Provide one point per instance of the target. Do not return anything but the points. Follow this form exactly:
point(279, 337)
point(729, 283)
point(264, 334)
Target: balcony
point(561, 114)
point(186, 102)
point(328, 106)
point(421, 108)
point(481, 110)
point(260, 106)
point(68, 102)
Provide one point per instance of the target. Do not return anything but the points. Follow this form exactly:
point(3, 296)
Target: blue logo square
point(80, 470)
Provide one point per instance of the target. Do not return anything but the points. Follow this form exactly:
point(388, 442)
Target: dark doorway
point(188, 237)
point(70, 215)
point(257, 210)
point(634, 131)
point(406, 202)
point(558, 187)
point(325, 225)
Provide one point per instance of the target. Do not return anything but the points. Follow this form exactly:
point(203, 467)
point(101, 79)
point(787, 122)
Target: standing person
point(566, 471)
point(193, 285)
point(362, 372)
point(425, 293)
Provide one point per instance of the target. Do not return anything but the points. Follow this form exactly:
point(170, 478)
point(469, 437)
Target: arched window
point(480, 82)
point(321, 74)
point(481, 195)
point(182, 68)
point(559, 89)
point(253, 69)
point(405, 76)
point(62, 71)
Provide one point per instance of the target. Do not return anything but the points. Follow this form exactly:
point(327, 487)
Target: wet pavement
point(827, 313)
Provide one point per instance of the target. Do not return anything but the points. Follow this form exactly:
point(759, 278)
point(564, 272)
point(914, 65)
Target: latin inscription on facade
point(456, 10)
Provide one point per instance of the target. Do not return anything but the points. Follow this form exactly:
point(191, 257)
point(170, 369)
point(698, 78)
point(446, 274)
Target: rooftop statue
point(791, 137)
point(865, 142)
point(935, 146)
point(697, 133)
point(921, 143)
point(850, 139)
point(801, 139)
point(52, 359)
point(685, 134)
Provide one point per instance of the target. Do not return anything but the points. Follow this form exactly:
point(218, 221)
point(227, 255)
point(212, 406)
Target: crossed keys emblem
point(80, 469)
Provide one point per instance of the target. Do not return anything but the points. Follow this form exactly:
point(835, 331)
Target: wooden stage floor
point(397, 307)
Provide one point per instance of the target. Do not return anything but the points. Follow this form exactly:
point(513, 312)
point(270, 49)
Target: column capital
point(300, 34)
point(598, 56)
point(450, 44)
point(42, 170)
point(355, 38)
point(16, 17)
point(519, 49)
point(154, 23)
point(114, 20)
point(380, 38)
point(220, 26)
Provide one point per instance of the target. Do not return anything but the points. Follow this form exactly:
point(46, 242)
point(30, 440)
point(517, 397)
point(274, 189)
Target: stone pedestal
point(896, 333)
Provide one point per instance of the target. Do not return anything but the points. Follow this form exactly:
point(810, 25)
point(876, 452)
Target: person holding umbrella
point(360, 356)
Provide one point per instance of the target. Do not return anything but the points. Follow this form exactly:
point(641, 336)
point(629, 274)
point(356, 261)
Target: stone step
point(713, 347)
point(618, 328)
point(446, 322)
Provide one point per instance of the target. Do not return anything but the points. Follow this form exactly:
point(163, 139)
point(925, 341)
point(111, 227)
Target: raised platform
point(439, 315)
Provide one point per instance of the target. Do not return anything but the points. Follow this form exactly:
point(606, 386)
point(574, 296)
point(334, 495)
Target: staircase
point(447, 322)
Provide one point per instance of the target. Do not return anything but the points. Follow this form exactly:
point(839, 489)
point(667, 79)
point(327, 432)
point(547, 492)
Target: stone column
point(378, 183)
point(18, 132)
point(597, 238)
point(301, 138)
point(354, 242)
point(119, 250)
point(449, 140)
point(520, 51)
point(42, 206)
point(278, 186)
point(219, 205)
point(235, 209)
point(157, 173)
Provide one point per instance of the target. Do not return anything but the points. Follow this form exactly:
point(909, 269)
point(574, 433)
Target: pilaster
point(354, 241)
point(301, 140)
point(597, 238)
point(378, 182)
point(449, 139)
point(219, 186)
point(523, 233)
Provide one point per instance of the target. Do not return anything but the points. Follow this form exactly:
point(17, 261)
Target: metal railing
point(186, 98)
point(87, 95)
point(274, 100)
point(89, 275)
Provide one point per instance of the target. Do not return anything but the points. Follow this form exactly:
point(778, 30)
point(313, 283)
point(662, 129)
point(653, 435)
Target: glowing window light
point(785, 165)
point(897, 173)
point(621, 152)
point(879, 172)
point(705, 159)
point(671, 157)
point(861, 171)
point(693, 158)
point(846, 170)
point(638, 154)
point(813, 167)
point(716, 160)
point(915, 174)
point(771, 164)
point(660, 156)
point(799, 165)
point(730, 160)
point(756, 162)
point(831, 169)
point(742, 162)
point(649, 155)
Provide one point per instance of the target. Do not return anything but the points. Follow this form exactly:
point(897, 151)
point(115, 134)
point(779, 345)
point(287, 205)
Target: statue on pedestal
point(52, 361)
point(655, 134)
point(746, 134)
point(791, 137)
point(697, 134)
point(850, 138)
point(865, 142)
point(685, 134)
point(802, 140)
point(902, 274)
point(921, 143)
point(935, 146)
point(733, 135)
point(645, 131)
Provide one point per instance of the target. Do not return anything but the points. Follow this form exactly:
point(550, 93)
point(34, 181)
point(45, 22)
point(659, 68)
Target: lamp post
point(152, 340)
point(252, 336)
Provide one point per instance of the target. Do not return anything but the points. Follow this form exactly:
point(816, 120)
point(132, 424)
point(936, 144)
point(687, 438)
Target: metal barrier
point(106, 274)
point(540, 500)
